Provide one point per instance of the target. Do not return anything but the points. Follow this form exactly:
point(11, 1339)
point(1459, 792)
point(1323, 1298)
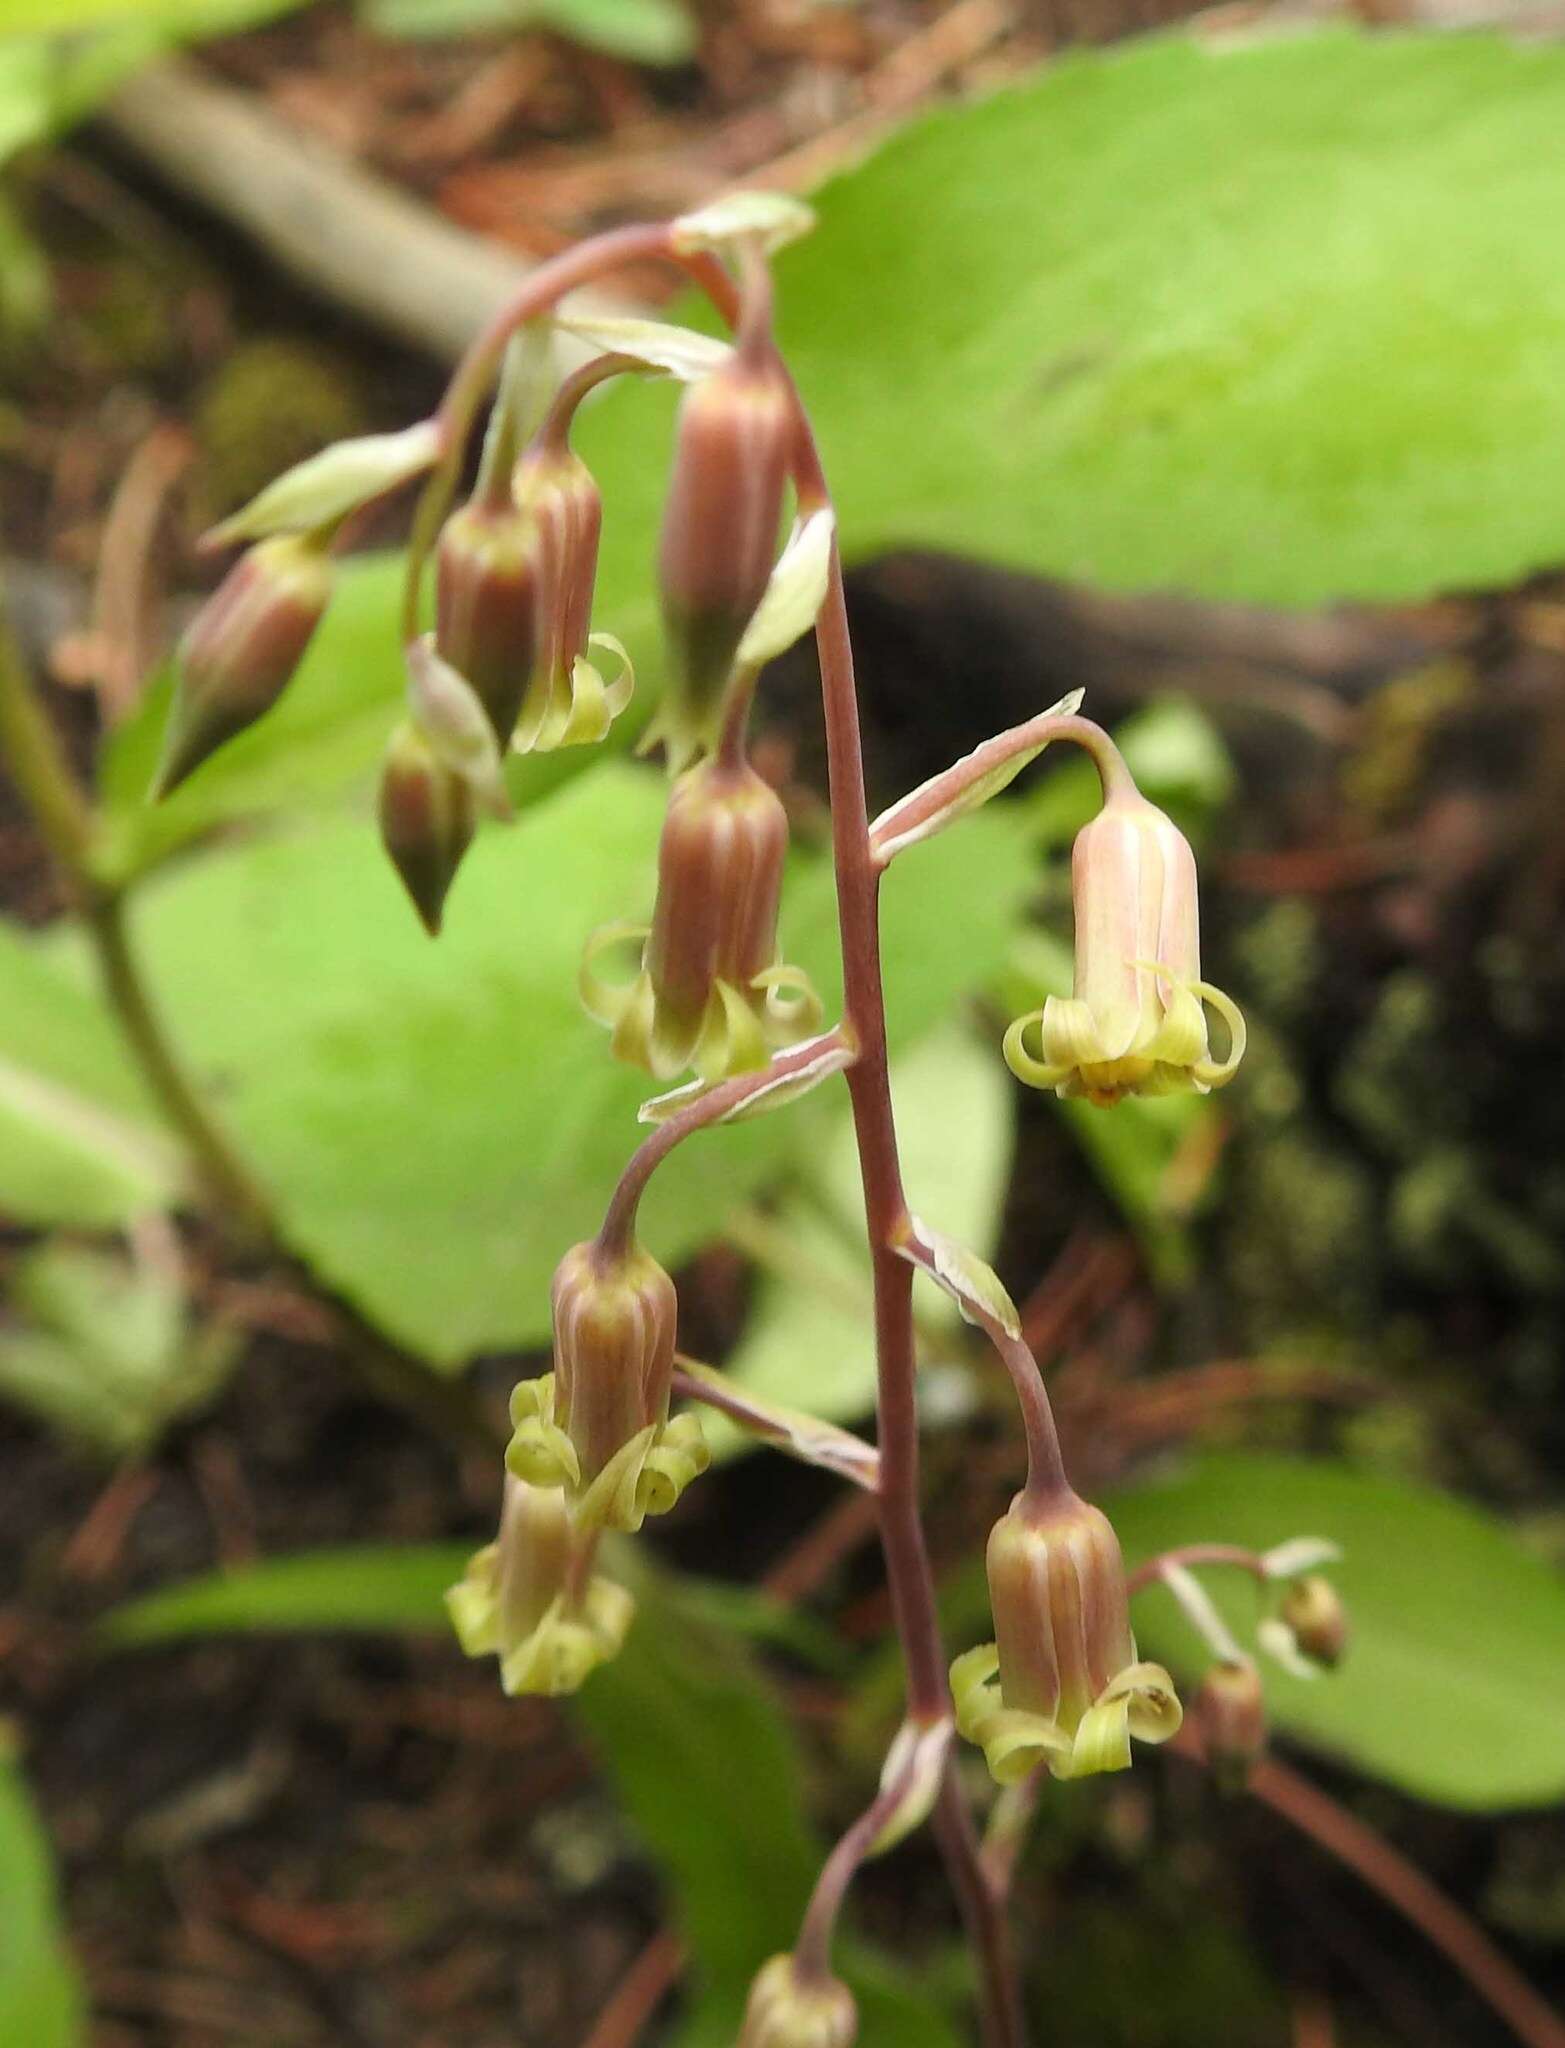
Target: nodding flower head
point(1230, 1712)
point(530, 1599)
point(787, 2010)
point(1135, 1024)
point(719, 535)
point(599, 1425)
point(1061, 1684)
point(487, 574)
point(241, 649)
point(712, 992)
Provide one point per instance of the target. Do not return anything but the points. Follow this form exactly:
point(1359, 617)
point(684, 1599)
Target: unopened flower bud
point(427, 818)
point(1135, 1023)
point(567, 703)
point(786, 2010)
point(486, 605)
point(719, 535)
point(711, 993)
point(1061, 1683)
point(1229, 1710)
point(1313, 1611)
point(242, 648)
point(529, 1598)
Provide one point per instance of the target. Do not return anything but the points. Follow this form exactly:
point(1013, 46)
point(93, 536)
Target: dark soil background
point(294, 1844)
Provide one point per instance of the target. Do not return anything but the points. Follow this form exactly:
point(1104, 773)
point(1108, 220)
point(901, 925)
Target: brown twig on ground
point(359, 241)
point(119, 645)
point(639, 1993)
point(1385, 1870)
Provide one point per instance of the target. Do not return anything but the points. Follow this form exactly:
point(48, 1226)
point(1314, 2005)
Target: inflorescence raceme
point(510, 665)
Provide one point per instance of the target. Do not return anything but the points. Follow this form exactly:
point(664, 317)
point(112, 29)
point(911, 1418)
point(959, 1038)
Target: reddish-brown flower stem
point(864, 1027)
point(812, 1950)
point(816, 1443)
point(1458, 1938)
point(555, 429)
point(1234, 1554)
point(1046, 1481)
point(476, 372)
point(908, 1571)
point(904, 818)
point(710, 1107)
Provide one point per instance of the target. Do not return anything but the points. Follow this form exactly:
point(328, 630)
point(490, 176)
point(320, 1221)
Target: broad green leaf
point(438, 1122)
point(1277, 317)
point(1450, 1689)
point(79, 1142)
point(809, 1339)
point(358, 1587)
point(41, 2000)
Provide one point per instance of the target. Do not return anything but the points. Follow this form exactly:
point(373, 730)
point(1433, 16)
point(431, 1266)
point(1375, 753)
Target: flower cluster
point(595, 1447)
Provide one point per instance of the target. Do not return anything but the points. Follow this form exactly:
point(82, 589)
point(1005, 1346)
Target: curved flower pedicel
point(1061, 1685)
point(1135, 1024)
point(712, 992)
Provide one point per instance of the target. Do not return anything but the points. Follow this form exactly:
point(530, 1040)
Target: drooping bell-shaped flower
point(530, 1598)
point(712, 993)
point(599, 1425)
point(787, 2009)
point(1061, 1684)
point(240, 651)
point(720, 530)
point(1134, 1024)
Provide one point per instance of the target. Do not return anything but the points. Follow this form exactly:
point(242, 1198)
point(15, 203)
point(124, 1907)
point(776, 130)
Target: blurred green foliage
point(41, 2001)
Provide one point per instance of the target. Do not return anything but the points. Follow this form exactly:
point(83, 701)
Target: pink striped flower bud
point(242, 648)
point(614, 1323)
point(599, 1425)
point(711, 993)
point(427, 817)
point(1135, 1023)
point(786, 2010)
point(719, 535)
point(567, 702)
point(530, 1599)
point(1229, 1711)
point(486, 605)
point(1061, 1683)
